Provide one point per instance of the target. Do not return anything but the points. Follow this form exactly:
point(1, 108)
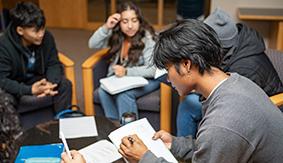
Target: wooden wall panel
point(65, 13)
point(73, 13)
point(9, 4)
point(1, 6)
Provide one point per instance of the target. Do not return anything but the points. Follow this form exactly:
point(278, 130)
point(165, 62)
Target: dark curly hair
point(137, 46)
point(27, 14)
point(188, 40)
point(10, 128)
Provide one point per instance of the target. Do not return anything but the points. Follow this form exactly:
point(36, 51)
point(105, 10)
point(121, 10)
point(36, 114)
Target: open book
point(144, 131)
point(114, 85)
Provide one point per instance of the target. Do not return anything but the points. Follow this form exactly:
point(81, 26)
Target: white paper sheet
point(100, 152)
point(145, 132)
point(78, 127)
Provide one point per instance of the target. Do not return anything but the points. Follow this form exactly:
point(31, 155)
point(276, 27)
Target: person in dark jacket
point(243, 53)
point(190, 9)
point(29, 63)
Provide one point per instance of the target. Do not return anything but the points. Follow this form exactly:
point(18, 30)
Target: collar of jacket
point(24, 51)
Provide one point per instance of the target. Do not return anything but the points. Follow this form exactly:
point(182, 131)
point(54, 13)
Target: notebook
point(145, 132)
point(114, 85)
point(105, 151)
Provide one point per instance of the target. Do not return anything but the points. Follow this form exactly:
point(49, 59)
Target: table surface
point(48, 133)
point(261, 14)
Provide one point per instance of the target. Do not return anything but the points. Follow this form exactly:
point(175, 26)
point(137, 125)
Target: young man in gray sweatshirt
point(240, 124)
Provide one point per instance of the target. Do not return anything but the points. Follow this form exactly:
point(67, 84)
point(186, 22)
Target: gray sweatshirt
point(240, 125)
point(144, 67)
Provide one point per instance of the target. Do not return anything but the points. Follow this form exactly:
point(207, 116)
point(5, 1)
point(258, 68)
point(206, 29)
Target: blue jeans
point(115, 105)
point(189, 115)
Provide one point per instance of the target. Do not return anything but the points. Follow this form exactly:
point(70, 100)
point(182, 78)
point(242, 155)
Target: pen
point(65, 144)
point(131, 140)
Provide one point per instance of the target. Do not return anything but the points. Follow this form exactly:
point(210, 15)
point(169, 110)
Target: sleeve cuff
point(26, 90)
point(148, 157)
point(54, 80)
point(105, 30)
point(130, 72)
point(174, 144)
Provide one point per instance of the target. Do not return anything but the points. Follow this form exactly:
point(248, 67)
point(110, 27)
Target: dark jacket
point(248, 58)
point(13, 62)
point(190, 9)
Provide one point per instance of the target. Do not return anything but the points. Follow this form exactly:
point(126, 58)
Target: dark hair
point(27, 14)
point(137, 46)
point(188, 40)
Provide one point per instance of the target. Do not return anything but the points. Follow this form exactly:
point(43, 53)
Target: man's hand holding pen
point(132, 148)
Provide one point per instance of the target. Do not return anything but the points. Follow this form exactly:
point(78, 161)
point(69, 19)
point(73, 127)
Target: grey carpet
point(74, 44)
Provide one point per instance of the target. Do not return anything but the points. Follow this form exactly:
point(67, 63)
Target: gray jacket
point(240, 125)
point(144, 67)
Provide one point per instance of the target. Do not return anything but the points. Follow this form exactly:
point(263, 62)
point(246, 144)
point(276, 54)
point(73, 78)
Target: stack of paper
point(78, 127)
point(114, 85)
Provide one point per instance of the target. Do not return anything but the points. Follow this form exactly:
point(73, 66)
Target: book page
point(78, 127)
point(145, 132)
point(100, 152)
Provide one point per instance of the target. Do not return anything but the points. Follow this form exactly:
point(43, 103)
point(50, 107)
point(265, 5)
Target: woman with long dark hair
point(131, 41)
